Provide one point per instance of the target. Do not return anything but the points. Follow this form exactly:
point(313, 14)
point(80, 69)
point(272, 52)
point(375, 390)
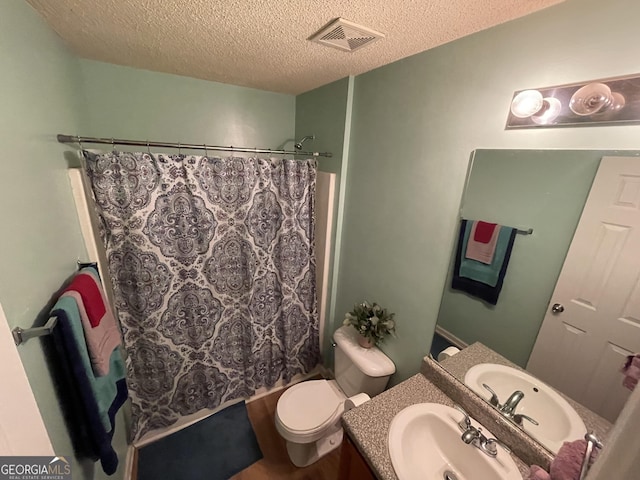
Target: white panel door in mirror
point(580, 350)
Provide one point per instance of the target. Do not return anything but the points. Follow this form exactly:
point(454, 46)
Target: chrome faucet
point(474, 436)
point(519, 417)
point(508, 409)
point(470, 435)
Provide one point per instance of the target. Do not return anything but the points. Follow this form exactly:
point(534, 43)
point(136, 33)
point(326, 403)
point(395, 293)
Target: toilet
point(308, 414)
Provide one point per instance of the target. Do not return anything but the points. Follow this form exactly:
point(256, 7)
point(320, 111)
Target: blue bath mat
point(215, 448)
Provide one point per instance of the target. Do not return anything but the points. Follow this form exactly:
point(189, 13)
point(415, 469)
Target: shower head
point(304, 139)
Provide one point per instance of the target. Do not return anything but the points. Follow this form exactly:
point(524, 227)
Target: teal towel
point(481, 272)
point(104, 388)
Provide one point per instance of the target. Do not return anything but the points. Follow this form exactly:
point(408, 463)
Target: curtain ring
point(148, 148)
point(179, 149)
point(80, 143)
point(113, 144)
point(206, 152)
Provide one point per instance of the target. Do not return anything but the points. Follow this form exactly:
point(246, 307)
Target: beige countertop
point(368, 425)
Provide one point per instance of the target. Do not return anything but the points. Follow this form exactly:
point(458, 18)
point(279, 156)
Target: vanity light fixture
point(610, 101)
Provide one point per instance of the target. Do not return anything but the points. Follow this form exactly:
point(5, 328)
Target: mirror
point(544, 190)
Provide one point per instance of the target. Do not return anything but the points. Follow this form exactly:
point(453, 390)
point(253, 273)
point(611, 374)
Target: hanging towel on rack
point(478, 249)
point(480, 272)
point(631, 370)
point(100, 329)
point(483, 231)
point(567, 463)
point(477, 279)
point(100, 396)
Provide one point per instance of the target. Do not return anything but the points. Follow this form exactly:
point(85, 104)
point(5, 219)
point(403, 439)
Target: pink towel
point(631, 370)
point(538, 473)
point(480, 251)
point(101, 332)
point(566, 465)
point(568, 461)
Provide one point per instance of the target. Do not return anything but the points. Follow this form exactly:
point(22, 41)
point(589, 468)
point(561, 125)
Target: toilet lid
point(308, 405)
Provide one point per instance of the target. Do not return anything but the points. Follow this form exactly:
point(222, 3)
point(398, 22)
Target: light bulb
point(526, 103)
point(549, 112)
point(590, 99)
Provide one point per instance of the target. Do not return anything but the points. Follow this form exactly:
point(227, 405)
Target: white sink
point(558, 421)
point(425, 443)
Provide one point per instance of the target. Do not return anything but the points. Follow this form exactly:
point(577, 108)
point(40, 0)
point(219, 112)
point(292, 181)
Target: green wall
point(323, 112)
point(124, 102)
point(326, 113)
point(408, 132)
point(415, 123)
point(41, 238)
point(540, 189)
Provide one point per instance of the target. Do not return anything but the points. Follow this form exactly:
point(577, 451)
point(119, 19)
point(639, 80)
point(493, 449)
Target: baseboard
point(451, 338)
point(189, 420)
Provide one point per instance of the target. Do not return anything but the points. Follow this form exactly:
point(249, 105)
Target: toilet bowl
point(308, 418)
point(308, 414)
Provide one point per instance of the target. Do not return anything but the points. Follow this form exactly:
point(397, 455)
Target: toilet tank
point(358, 369)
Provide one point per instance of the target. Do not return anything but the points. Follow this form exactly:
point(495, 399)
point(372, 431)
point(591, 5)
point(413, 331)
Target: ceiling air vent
point(346, 35)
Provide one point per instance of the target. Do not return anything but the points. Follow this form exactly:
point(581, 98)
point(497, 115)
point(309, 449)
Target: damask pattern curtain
point(213, 266)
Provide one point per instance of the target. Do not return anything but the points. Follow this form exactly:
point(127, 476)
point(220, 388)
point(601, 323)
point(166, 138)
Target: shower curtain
point(213, 266)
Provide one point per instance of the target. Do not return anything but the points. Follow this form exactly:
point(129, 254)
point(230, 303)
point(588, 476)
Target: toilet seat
point(305, 410)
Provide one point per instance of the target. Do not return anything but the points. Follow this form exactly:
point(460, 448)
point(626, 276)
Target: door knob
point(557, 308)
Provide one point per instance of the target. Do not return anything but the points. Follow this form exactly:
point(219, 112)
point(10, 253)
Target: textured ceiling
point(263, 44)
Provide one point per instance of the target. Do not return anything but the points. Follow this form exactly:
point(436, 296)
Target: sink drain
point(449, 475)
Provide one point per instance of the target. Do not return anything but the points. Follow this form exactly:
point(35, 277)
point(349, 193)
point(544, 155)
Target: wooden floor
point(275, 463)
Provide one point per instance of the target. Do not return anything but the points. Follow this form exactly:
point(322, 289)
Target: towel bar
point(21, 335)
point(519, 231)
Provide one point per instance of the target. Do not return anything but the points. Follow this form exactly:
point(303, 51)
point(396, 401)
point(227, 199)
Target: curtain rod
point(188, 146)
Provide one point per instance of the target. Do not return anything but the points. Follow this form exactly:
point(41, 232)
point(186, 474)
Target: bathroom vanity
point(477, 353)
point(352, 463)
point(366, 453)
point(368, 425)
